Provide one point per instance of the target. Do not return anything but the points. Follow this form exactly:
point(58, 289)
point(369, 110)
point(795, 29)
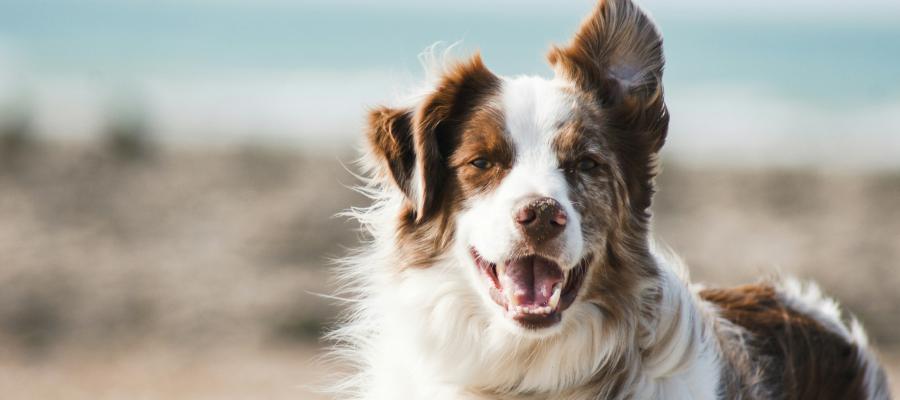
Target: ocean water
point(741, 87)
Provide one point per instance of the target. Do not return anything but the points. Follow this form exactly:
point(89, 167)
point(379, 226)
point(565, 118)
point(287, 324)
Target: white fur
point(682, 361)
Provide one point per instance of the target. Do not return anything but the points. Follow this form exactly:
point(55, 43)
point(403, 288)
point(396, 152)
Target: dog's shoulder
point(797, 342)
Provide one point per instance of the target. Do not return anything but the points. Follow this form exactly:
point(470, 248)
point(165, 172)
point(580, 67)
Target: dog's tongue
point(530, 282)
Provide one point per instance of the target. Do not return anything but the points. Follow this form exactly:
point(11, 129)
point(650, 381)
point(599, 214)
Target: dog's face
point(535, 188)
point(536, 198)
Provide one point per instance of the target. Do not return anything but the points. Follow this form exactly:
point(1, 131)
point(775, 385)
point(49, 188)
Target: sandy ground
point(216, 256)
point(161, 373)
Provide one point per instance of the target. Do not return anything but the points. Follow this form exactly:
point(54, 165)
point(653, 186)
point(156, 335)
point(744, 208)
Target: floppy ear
point(416, 144)
point(390, 140)
point(617, 57)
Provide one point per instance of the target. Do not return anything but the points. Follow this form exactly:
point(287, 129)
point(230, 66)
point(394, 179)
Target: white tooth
point(554, 298)
point(501, 269)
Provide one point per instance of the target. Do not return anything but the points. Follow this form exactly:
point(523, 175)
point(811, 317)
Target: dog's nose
point(541, 219)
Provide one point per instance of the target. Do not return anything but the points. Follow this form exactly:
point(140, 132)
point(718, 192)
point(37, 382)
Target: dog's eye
point(586, 164)
point(481, 163)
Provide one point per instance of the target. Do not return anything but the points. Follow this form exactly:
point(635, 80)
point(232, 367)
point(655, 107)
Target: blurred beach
point(195, 273)
point(170, 171)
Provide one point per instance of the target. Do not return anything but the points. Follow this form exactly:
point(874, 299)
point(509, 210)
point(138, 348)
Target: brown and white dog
point(510, 253)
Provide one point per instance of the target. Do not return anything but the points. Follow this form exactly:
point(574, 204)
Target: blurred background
point(169, 170)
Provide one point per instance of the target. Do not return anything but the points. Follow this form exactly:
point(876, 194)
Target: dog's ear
point(416, 144)
point(617, 57)
point(390, 140)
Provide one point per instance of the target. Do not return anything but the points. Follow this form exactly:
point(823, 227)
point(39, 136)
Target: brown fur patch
point(452, 124)
point(439, 125)
point(483, 138)
point(794, 354)
point(616, 58)
point(614, 227)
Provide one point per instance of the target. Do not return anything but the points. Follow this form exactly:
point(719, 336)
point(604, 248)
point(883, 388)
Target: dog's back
point(795, 346)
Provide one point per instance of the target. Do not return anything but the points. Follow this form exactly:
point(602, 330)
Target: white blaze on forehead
point(534, 108)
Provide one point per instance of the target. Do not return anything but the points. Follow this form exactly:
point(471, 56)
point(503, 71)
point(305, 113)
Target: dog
point(510, 254)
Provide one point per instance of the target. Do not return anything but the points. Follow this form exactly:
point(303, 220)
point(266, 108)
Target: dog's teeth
point(554, 298)
point(501, 269)
point(513, 311)
point(530, 310)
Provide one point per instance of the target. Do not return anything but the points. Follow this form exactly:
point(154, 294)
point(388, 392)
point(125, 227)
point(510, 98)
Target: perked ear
point(616, 55)
point(416, 144)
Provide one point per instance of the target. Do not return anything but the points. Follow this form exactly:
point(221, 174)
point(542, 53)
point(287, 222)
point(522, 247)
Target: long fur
point(419, 323)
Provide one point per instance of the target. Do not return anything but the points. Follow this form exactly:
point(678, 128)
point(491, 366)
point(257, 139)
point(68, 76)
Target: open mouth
point(533, 290)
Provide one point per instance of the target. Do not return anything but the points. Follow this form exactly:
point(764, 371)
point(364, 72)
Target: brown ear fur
point(390, 139)
point(617, 57)
point(425, 139)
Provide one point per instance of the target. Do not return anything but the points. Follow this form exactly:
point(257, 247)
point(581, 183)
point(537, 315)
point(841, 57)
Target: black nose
point(541, 219)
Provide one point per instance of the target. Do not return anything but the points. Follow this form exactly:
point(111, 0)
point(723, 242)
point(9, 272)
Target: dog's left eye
point(481, 163)
point(586, 164)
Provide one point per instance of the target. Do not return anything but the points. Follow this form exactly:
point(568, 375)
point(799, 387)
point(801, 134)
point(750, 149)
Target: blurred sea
point(754, 87)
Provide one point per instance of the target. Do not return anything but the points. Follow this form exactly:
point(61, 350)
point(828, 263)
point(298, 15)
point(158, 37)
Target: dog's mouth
point(533, 290)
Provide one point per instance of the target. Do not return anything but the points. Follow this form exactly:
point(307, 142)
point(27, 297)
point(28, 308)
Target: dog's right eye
point(481, 163)
point(586, 164)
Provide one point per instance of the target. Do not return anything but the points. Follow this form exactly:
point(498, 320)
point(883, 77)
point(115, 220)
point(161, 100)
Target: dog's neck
point(665, 350)
point(679, 345)
point(672, 353)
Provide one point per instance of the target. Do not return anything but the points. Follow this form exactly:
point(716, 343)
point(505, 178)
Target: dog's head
point(537, 189)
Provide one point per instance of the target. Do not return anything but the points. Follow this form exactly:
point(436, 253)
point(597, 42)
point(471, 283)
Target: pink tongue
point(531, 280)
